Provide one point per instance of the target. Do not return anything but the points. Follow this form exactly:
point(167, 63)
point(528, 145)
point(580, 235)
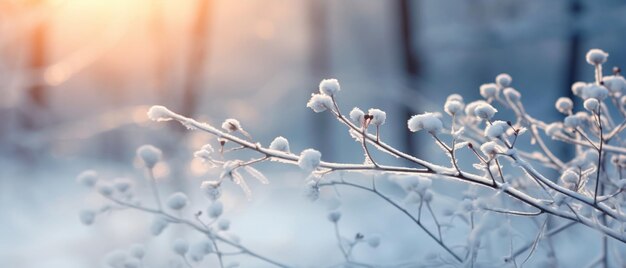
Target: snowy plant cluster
point(514, 179)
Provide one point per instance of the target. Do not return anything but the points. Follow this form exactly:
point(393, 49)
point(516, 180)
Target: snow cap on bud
point(488, 90)
point(180, 246)
point(572, 121)
point(453, 107)
point(122, 185)
point(211, 189)
point(378, 116)
point(569, 176)
point(504, 80)
point(309, 159)
point(596, 56)
point(320, 102)
point(591, 105)
point(357, 116)
point(512, 95)
point(334, 216)
point(87, 178)
point(564, 105)
point(496, 129)
point(215, 209)
point(223, 224)
point(553, 129)
point(615, 83)
point(485, 111)
point(177, 201)
point(105, 188)
point(577, 88)
point(231, 125)
point(149, 154)
point(158, 225)
point(198, 250)
point(160, 113)
point(280, 144)
point(426, 121)
point(329, 87)
point(87, 216)
point(470, 107)
point(594, 91)
point(490, 148)
point(455, 97)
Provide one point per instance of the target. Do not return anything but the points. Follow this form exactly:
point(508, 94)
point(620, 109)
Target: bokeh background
point(77, 76)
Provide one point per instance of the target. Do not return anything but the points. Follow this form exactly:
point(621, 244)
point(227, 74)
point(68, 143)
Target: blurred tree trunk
point(36, 101)
point(319, 59)
point(198, 57)
point(411, 65)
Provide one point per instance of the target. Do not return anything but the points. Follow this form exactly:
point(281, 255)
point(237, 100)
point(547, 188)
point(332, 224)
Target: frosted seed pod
point(334, 216)
point(215, 209)
point(596, 56)
point(180, 246)
point(490, 148)
point(280, 144)
point(485, 111)
point(572, 121)
point(426, 121)
point(87, 178)
point(455, 97)
point(373, 241)
point(149, 154)
point(177, 201)
point(488, 90)
point(319, 103)
point(223, 224)
point(158, 225)
point(122, 185)
point(554, 129)
point(160, 113)
point(453, 107)
point(591, 105)
point(504, 80)
point(137, 251)
point(577, 88)
point(496, 129)
point(105, 189)
point(378, 116)
point(569, 176)
point(595, 91)
point(211, 189)
point(87, 216)
point(309, 159)
point(199, 250)
point(427, 196)
point(329, 87)
point(357, 116)
point(512, 95)
point(615, 83)
point(231, 125)
point(564, 105)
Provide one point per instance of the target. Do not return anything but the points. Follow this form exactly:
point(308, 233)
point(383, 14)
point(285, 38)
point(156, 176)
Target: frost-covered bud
point(488, 90)
point(105, 189)
point(280, 144)
point(150, 155)
point(504, 80)
point(569, 176)
point(334, 216)
point(357, 116)
point(180, 246)
point(215, 209)
point(160, 113)
point(177, 201)
point(572, 121)
point(453, 107)
point(122, 185)
point(455, 97)
point(577, 88)
point(223, 224)
point(591, 105)
point(211, 189)
point(564, 105)
point(596, 56)
point(378, 116)
point(231, 125)
point(158, 225)
point(615, 83)
point(320, 102)
point(427, 196)
point(553, 129)
point(87, 216)
point(373, 241)
point(470, 107)
point(595, 91)
point(426, 121)
point(329, 87)
point(485, 111)
point(512, 95)
point(496, 129)
point(87, 178)
point(132, 263)
point(199, 250)
point(309, 159)
point(137, 251)
point(490, 148)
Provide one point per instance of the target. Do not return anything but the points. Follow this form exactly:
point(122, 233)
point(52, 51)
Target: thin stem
point(155, 189)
